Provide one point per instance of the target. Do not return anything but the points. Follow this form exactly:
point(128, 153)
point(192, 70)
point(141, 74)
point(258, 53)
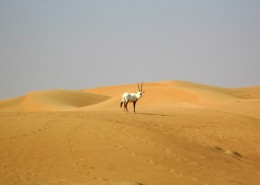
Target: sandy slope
point(183, 133)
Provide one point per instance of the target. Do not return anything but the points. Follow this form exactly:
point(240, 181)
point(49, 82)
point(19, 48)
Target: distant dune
point(162, 94)
point(169, 94)
point(182, 133)
point(52, 100)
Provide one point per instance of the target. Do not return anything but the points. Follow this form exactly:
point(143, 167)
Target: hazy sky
point(78, 44)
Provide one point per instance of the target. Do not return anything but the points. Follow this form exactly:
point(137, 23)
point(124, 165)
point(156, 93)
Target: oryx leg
point(134, 105)
point(125, 105)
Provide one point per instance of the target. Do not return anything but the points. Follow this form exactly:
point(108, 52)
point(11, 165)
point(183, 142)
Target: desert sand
point(182, 134)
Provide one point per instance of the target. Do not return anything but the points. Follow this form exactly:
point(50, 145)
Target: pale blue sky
point(78, 44)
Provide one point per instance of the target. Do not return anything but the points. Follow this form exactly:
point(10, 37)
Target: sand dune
point(12, 104)
point(176, 94)
point(52, 100)
point(248, 92)
point(164, 94)
point(183, 133)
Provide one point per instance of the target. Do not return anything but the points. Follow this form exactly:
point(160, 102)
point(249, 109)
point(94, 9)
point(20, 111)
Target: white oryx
point(131, 97)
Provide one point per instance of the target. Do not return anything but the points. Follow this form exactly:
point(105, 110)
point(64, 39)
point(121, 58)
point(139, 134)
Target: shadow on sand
point(153, 114)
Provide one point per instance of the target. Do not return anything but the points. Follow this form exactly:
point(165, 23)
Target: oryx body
point(131, 97)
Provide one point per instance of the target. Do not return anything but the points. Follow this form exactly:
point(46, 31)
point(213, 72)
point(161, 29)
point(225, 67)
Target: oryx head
point(140, 90)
